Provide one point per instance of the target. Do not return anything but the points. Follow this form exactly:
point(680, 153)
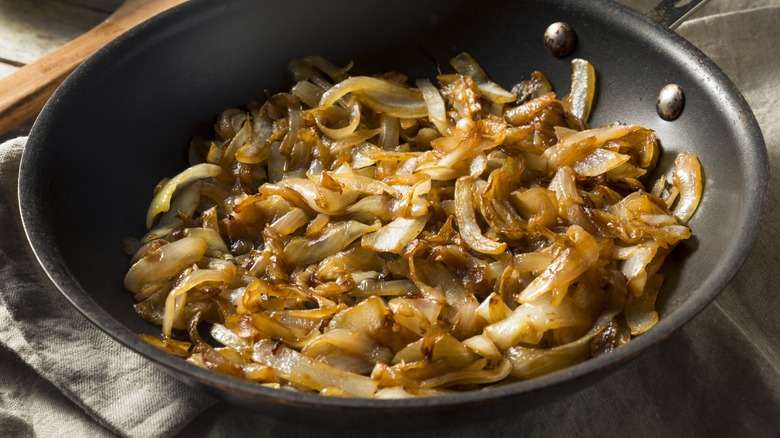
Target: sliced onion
point(467, 66)
point(216, 246)
point(387, 288)
point(522, 114)
point(467, 220)
point(687, 177)
point(437, 112)
point(162, 199)
point(640, 310)
point(471, 376)
point(363, 184)
point(599, 162)
point(343, 132)
point(367, 317)
point(530, 318)
point(575, 147)
point(174, 303)
point(483, 346)
point(528, 363)
point(569, 264)
point(346, 341)
point(485, 135)
point(318, 198)
point(311, 373)
point(305, 251)
point(583, 87)
point(337, 74)
point(290, 222)
point(383, 96)
point(394, 236)
point(165, 262)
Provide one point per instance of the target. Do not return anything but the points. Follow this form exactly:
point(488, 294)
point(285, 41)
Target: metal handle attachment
point(672, 13)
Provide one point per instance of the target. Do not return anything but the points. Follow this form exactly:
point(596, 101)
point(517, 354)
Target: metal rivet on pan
point(671, 101)
point(559, 38)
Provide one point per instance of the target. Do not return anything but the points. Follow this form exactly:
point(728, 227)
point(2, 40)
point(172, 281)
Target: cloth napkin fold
point(114, 386)
point(719, 375)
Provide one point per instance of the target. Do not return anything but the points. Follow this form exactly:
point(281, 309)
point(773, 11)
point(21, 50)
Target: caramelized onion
point(361, 237)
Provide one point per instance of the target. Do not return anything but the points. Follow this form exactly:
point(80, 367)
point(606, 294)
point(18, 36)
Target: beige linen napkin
point(718, 376)
point(79, 368)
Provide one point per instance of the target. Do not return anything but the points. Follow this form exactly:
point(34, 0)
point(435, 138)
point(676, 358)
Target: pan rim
point(33, 219)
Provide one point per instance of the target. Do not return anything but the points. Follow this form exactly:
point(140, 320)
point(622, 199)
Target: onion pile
point(360, 236)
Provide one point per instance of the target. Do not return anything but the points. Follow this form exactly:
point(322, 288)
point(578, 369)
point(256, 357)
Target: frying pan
point(123, 121)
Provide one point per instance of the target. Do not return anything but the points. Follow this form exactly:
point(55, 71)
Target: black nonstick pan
point(124, 119)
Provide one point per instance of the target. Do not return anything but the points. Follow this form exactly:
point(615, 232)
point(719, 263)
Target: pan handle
point(672, 13)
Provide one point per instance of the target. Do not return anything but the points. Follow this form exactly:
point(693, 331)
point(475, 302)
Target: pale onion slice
point(439, 281)
point(301, 251)
point(418, 315)
point(162, 199)
point(599, 162)
point(532, 261)
point(528, 363)
point(530, 318)
point(216, 246)
point(467, 220)
point(382, 288)
point(308, 92)
point(346, 341)
point(357, 140)
point(470, 376)
point(165, 262)
point(437, 111)
point(317, 197)
point(271, 326)
point(336, 73)
point(345, 131)
point(363, 184)
point(583, 88)
point(483, 346)
point(687, 177)
point(291, 221)
point(303, 370)
point(394, 236)
point(447, 348)
point(390, 128)
point(493, 309)
point(227, 337)
point(185, 202)
point(636, 259)
point(564, 184)
point(383, 96)
point(368, 316)
point(640, 310)
point(579, 145)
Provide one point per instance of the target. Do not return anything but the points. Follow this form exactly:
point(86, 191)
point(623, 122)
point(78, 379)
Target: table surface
point(30, 29)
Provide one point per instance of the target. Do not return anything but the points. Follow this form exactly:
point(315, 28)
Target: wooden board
point(30, 29)
point(40, 26)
